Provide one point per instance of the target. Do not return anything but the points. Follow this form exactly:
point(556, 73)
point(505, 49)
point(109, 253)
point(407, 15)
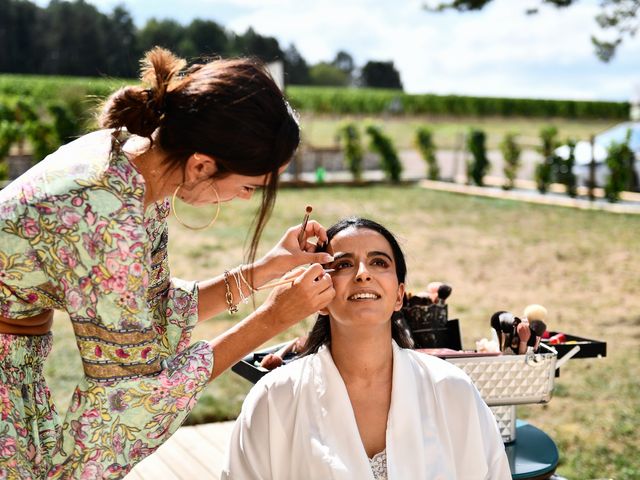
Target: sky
point(499, 51)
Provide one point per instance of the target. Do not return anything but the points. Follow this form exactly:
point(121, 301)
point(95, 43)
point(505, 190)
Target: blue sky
point(499, 51)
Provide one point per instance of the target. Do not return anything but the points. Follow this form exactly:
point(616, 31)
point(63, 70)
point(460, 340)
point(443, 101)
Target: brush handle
point(289, 280)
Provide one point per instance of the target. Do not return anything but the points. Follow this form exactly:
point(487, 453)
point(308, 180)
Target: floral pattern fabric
point(74, 235)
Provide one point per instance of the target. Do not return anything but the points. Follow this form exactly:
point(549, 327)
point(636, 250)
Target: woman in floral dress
point(85, 231)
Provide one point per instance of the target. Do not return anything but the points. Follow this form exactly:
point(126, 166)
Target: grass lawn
point(320, 130)
point(497, 255)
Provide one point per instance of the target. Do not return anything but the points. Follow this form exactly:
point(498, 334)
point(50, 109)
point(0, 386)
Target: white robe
point(297, 423)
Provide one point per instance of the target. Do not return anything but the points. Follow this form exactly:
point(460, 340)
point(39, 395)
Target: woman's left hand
point(288, 253)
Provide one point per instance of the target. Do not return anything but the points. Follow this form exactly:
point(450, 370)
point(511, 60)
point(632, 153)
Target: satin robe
point(298, 423)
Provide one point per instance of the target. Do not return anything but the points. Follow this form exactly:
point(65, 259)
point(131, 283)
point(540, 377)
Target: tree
point(327, 75)
point(17, 36)
point(295, 67)
point(380, 75)
point(619, 16)
point(207, 38)
point(163, 33)
point(344, 62)
point(252, 43)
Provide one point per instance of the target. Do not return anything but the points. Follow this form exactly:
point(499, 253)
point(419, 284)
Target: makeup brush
point(307, 211)
point(290, 279)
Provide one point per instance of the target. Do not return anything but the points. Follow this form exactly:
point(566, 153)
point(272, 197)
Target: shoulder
point(83, 160)
point(283, 383)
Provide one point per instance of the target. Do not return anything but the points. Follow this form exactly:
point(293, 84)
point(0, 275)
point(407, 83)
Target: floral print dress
point(74, 235)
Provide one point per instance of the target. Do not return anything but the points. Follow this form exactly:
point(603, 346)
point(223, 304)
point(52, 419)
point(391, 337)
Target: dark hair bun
point(141, 109)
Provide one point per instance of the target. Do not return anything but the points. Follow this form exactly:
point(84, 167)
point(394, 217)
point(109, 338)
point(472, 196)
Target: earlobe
point(400, 297)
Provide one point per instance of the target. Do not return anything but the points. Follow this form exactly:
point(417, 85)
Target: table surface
point(533, 454)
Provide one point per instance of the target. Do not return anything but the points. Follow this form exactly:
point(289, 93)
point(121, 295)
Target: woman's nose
point(363, 273)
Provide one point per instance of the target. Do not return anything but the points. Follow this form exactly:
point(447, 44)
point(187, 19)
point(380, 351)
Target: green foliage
point(424, 143)
point(562, 170)
point(327, 74)
point(380, 75)
point(511, 156)
point(352, 146)
point(372, 101)
point(620, 159)
point(21, 123)
point(9, 134)
point(478, 166)
point(383, 145)
point(543, 171)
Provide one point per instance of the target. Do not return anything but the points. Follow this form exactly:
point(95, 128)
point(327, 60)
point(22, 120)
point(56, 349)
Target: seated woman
point(359, 404)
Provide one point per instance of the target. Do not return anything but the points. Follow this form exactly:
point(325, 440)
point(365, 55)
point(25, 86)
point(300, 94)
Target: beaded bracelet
point(233, 308)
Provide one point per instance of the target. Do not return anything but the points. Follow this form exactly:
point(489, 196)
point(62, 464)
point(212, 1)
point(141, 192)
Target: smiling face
point(365, 279)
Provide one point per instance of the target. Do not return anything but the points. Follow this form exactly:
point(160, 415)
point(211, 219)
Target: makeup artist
point(86, 231)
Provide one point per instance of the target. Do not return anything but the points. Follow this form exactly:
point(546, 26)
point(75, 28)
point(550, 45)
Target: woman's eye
point(379, 262)
point(341, 265)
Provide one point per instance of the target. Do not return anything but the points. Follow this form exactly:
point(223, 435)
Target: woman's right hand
point(310, 291)
point(286, 305)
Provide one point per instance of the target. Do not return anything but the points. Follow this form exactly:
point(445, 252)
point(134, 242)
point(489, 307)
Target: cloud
point(498, 51)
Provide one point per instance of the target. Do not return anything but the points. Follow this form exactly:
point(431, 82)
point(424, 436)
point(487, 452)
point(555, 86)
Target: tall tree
point(295, 67)
point(73, 37)
point(123, 51)
point(252, 43)
point(17, 36)
point(207, 38)
point(618, 16)
point(380, 75)
point(163, 33)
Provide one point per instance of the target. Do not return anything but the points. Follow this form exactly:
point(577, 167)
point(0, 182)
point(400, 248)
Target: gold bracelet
point(251, 289)
point(229, 296)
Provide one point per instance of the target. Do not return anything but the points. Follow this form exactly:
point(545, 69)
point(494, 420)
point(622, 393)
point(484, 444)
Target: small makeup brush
point(277, 283)
point(305, 220)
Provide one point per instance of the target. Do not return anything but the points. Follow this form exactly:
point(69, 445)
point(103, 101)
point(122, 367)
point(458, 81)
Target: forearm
point(212, 293)
point(245, 337)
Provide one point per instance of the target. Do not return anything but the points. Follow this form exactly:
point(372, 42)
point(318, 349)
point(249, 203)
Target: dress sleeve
point(132, 324)
point(248, 453)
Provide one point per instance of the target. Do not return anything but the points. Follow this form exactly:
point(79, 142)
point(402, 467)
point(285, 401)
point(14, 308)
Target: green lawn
point(582, 265)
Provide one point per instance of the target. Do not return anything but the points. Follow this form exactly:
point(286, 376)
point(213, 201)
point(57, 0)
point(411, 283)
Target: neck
point(363, 354)
point(159, 182)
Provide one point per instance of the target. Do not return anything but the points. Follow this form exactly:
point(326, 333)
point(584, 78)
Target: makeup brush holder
point(427, 324)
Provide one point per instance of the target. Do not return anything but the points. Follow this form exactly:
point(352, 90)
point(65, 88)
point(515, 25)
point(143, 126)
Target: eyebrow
point(374, 253)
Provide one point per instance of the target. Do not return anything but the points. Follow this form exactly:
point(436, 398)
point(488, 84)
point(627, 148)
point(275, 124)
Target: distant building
point(277, 72)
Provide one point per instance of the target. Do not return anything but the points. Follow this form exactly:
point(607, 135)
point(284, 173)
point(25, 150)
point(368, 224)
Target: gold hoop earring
point(175, 213)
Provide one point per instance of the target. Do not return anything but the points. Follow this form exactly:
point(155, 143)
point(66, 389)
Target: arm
point(285, 256)
point(284, 307)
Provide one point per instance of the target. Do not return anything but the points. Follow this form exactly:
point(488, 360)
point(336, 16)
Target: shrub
point(562, 169)
point(620, 159)
point(352, 146)
point(511, 155)
point(424, 143)
point(544, 170)
point(383, 145)
point(478, 166)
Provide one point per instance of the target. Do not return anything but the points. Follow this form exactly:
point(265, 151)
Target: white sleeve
point(494, 446)
point(249, 451)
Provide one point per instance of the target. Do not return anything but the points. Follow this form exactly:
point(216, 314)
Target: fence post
point(591, 184)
